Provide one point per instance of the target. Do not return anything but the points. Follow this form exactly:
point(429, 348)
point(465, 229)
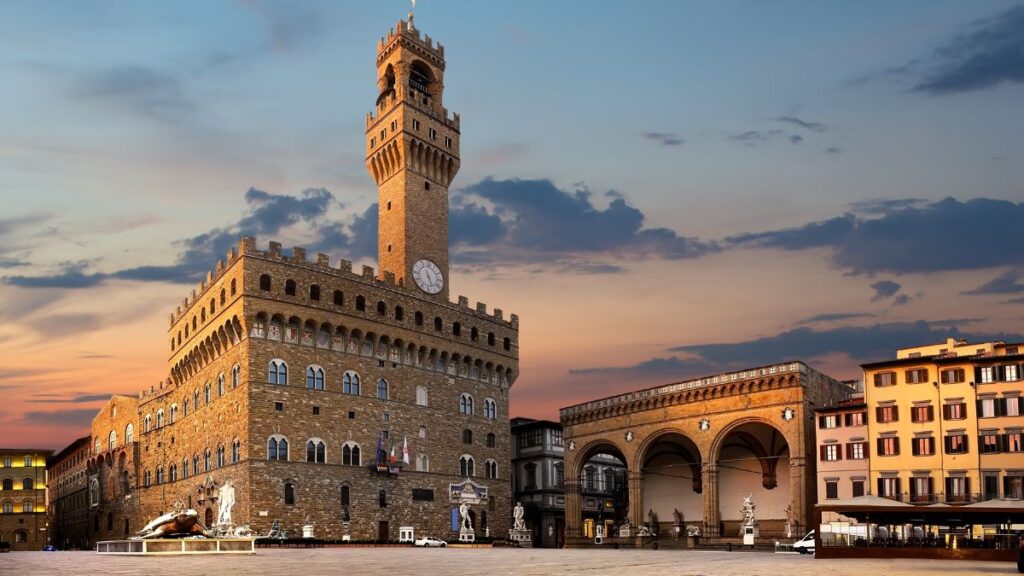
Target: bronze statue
point(178, 523)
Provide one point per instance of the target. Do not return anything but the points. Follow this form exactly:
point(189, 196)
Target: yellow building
point(946, 423)
point(23, 498)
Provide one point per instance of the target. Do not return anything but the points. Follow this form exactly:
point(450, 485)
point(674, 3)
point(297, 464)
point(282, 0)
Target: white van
point(805, 545)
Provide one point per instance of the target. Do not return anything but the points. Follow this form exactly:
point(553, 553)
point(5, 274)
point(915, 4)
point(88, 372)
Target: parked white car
point(805, 545)
point(430, 542)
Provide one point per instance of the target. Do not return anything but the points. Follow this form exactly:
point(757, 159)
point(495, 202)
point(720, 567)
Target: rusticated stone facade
point(67, 495)
point(286, 372)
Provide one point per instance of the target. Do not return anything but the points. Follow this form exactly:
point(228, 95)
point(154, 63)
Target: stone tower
point(412, 152)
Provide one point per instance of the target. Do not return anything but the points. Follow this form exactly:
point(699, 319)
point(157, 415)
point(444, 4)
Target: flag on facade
point(392, 452)
point(405, 450)
point(380, 448)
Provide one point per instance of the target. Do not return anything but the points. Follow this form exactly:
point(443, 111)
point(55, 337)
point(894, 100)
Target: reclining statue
point(178, 523)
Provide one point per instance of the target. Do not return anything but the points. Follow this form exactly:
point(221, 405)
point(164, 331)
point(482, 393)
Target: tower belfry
point(412, 152)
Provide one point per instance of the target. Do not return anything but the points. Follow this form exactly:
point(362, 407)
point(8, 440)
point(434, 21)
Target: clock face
point(428, 276)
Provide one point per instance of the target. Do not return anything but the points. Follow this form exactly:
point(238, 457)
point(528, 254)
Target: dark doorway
point(559, 531)
point(382, 531)
point(208, 517)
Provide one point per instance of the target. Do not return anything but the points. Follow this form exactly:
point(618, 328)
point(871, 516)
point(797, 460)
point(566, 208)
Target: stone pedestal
point(307, 531)
point(750, 532)
point(467, 535)
point(522, 538)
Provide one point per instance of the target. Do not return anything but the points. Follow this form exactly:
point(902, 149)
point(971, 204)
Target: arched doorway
point(603, 488)
point(753, 459)
point(208, 517)
point(672, 482)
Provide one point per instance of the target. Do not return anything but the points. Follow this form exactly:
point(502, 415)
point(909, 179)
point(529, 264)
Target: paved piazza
point(486, 562)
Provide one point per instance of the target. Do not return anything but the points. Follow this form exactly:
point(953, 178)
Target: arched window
point(382, 389)
point(27, 484)
point(195, 464)
point(160, 418)
point(422, 463)
point(490, 409)
point(172, 473)
point(360, 303)
point(474, 334)
point(27, 506)
point(213, 304)
point(265, 283)
point(466, 465)
point(466, 404)
point(289, 493)
point(112, 440)
point(289, 287)
point(350, 454)
point(8, 507)
point(8, 484)
point(438, 324)
point(174, 413)
point(490, 338)
point(277, 372)
point(423, 432)
point(207, 393)
point(339, 298)
point(20, 536)
point(382, 308)
point(129, 434)
point(314, 292)
point(277, 448)
point(220, 384)
point(236, 450)
point(350, 383)
point(491, 440)
point(184, 473)
point(195, 399)
point(507, 343)
point(160, 475)
point(236, 376)
point(206, 460)
point(314, 378)
point(220, 455)
point(457, 329)
point(346, 495)
point(399, 313)
point(316, 451)
point(491, 469)
point(202, 315)
point(421, 395)
point(98, 445)
point(418, 318)
point(234, 286)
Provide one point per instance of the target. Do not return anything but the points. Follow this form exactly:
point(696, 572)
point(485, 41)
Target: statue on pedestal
point(748, 511)
point(467, 522)
point(518, 523)
point(226, 498)
point(178, 523)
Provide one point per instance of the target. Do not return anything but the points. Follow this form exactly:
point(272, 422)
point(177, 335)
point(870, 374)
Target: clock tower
point(412, 152)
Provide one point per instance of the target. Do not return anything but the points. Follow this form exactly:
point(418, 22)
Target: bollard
point(729, 546)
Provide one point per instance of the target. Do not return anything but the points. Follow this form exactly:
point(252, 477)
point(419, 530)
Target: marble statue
point(517, 514)
point(226, 499)
point(789, 521)
point(177, 523)
point(467, 522)
point(748, 511)
point(677, 517)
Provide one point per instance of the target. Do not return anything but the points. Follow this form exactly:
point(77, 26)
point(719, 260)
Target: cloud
point(863, 343)
point(833, 150)
point(833, 317)
point(912, 238)
point(664, 138)
point(989, 53)
point(1008, 283)
point(133, 87)
point(671, 367)
point(884, 289)
point(61, 399)
point(1015, 301)
point(533, 220)
point(267, 215)
point(812, 126)
point(881, 206)
point(73, 417)
point(901, 300)
point(288, 24)
point(12, 263)
point(796, 139)
point(752, 138)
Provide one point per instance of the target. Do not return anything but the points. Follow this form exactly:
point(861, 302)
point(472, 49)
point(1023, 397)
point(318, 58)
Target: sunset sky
point(659, 190)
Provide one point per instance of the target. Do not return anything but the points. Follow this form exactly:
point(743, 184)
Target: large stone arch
point(754, 456)
point(576, 461)
point(669, 479)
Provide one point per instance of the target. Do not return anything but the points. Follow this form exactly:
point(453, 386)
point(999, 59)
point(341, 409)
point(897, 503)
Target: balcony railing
point(942, 498)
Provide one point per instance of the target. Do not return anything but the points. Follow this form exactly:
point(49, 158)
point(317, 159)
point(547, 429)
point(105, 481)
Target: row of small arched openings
point(200, 318)
point(211, 348)
point(397, 313)
point(340, 339)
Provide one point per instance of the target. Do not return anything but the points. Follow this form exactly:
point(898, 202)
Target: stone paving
point(485, 562)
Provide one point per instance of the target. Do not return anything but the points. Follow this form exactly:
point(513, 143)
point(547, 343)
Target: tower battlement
point(406, 31)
